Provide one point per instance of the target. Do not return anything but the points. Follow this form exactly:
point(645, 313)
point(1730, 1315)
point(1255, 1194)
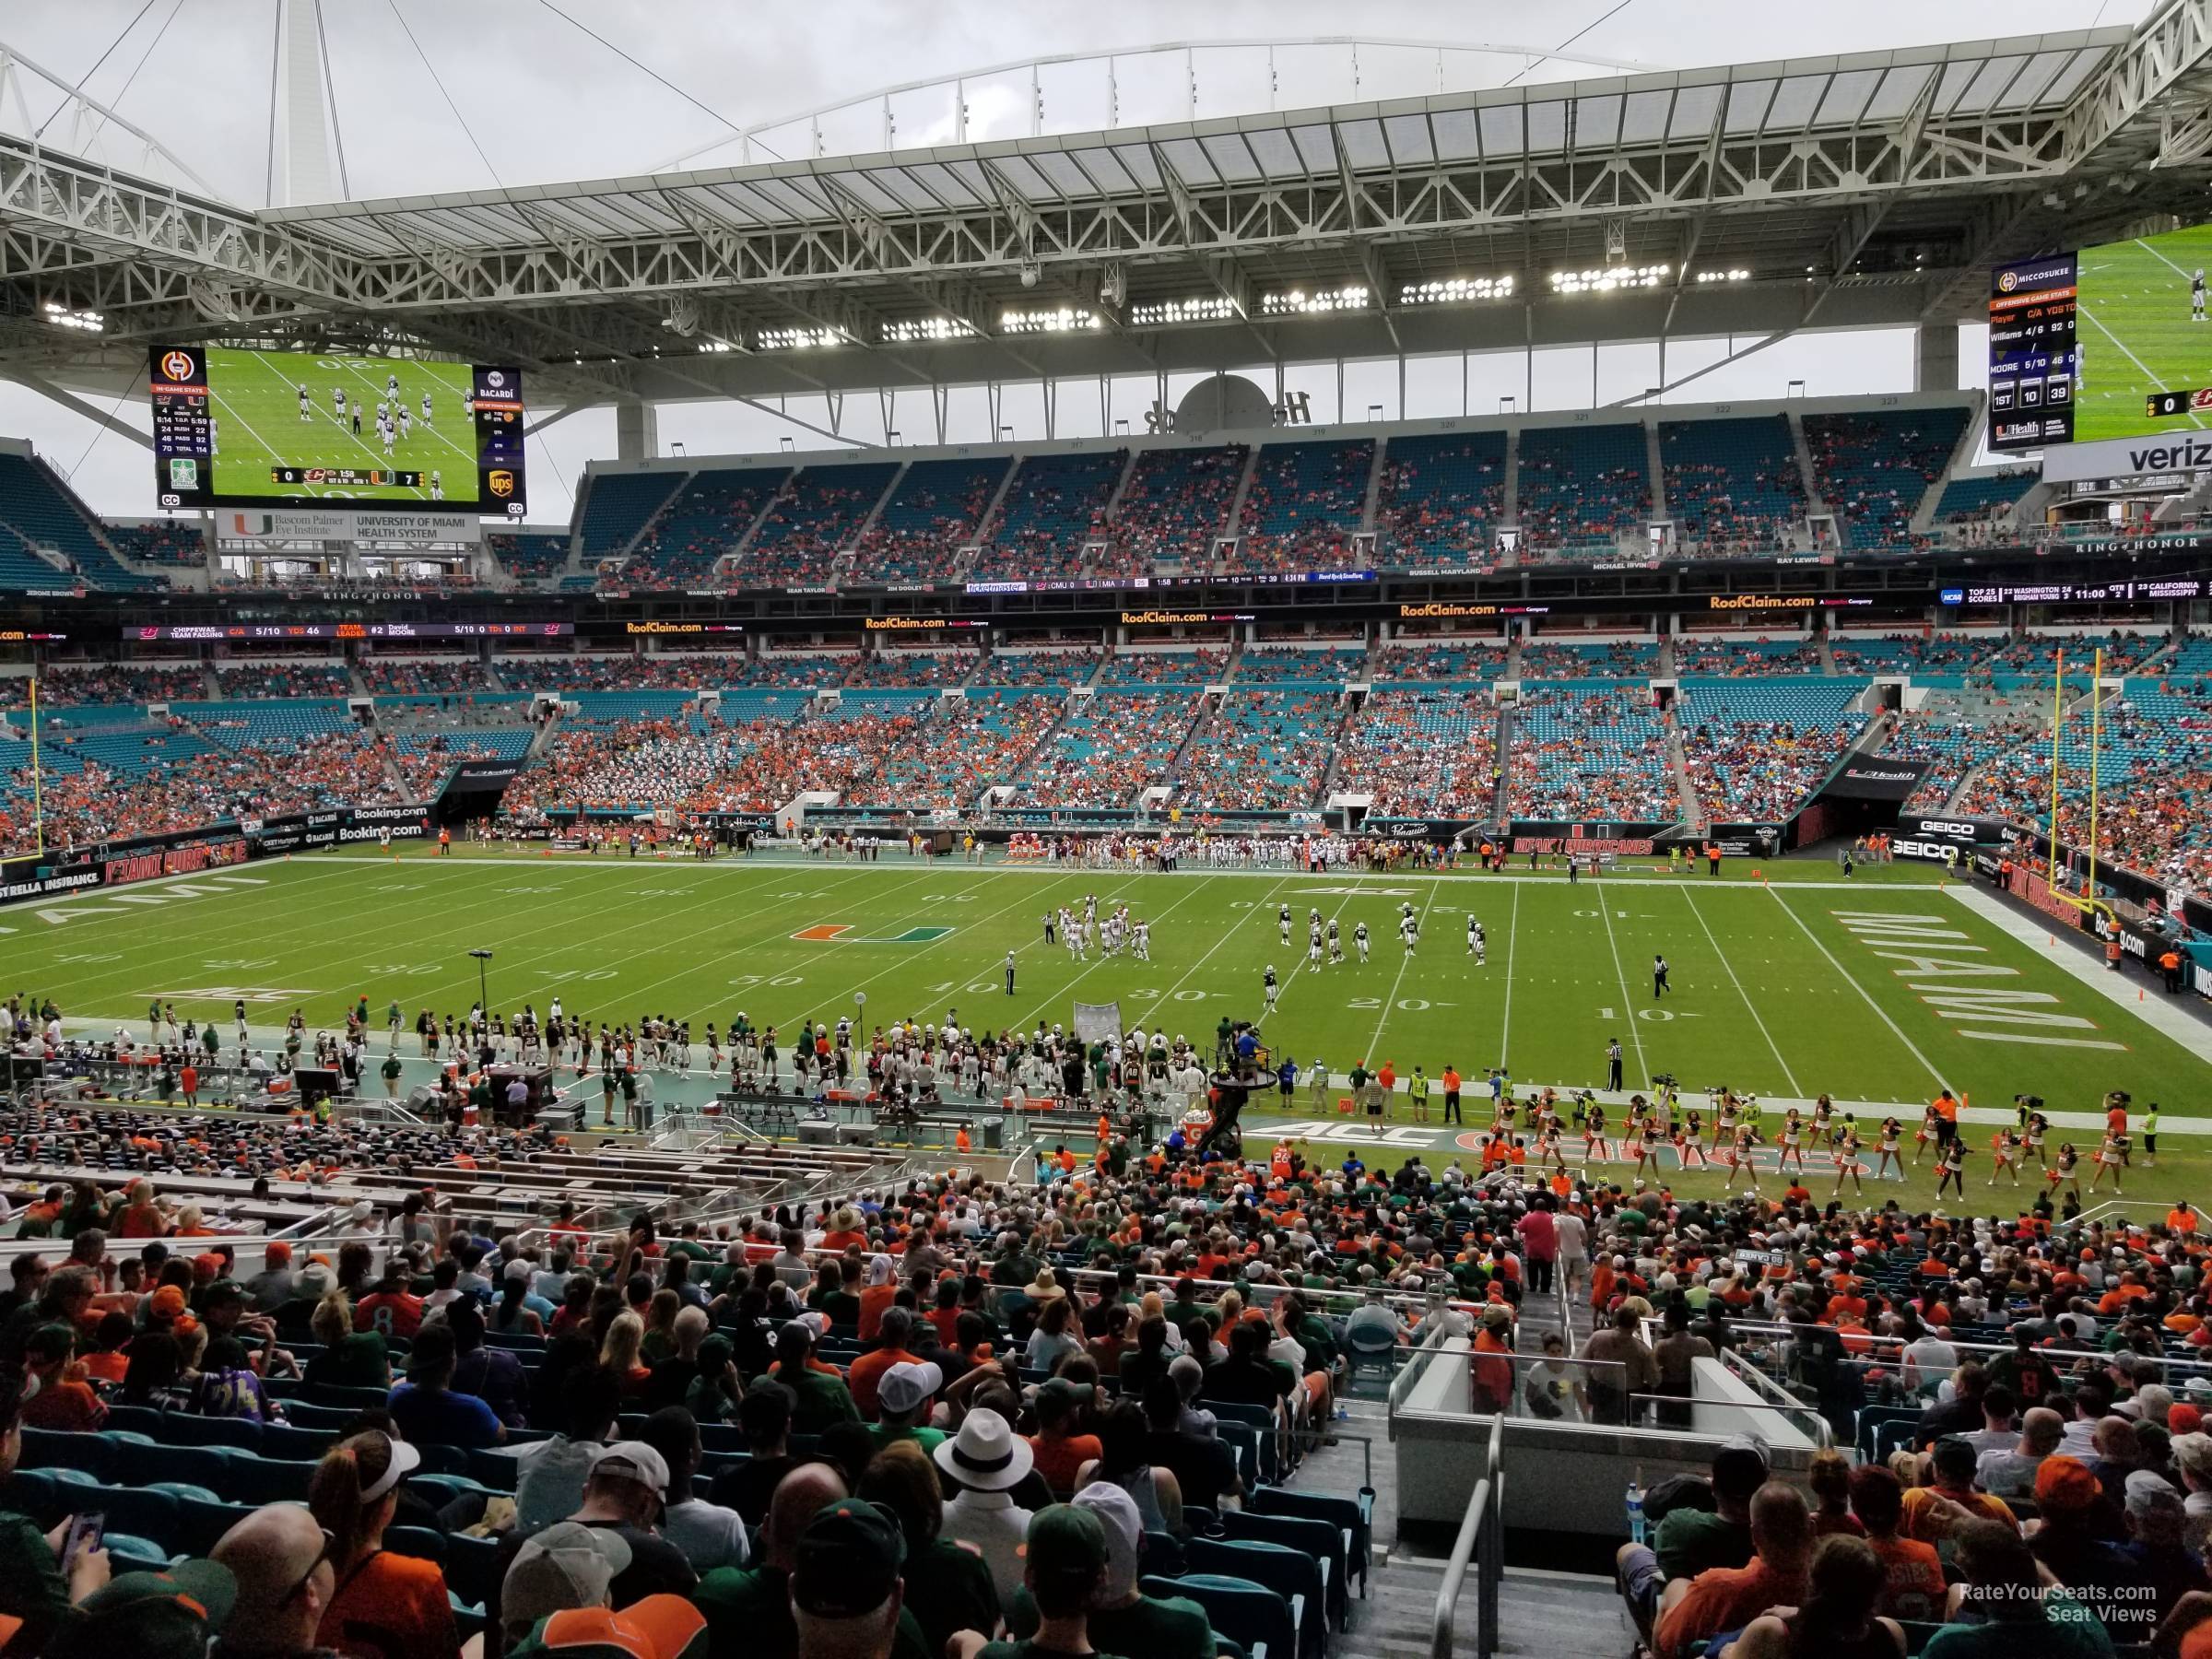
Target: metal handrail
point(1889, 1349)
point(1481, 1529)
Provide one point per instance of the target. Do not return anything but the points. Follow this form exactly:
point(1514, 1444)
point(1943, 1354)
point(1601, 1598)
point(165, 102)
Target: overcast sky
point(538, 101)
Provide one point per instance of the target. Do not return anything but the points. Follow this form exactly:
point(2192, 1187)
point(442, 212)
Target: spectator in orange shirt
point(1913, 1575)
point(1951, 1468)
point(876, 1295)
point(866, 1372)
point(1687, 1611)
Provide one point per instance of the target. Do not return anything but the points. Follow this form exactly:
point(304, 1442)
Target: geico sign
point(1941, 827)
point(1936, 852)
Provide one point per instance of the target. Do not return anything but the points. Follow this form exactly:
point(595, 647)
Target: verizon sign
point(2128, 457)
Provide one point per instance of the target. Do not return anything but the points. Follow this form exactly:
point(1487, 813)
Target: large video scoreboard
point(258, 429)
point(2032, 353)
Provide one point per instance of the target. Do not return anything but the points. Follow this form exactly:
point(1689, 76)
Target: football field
point(1878, 990)
point(2135, 331)
point(255, 402)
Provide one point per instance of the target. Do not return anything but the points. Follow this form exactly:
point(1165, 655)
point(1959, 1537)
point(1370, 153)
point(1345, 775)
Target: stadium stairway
point(1667, 670)
point(1828, 655)
point(1501, 797)
point(1961, 457)
point(1806, 470)
point(1509, 503)
point(1694, 816)
point(1655, 462)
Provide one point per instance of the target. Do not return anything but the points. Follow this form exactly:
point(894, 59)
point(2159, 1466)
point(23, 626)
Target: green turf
point(2134, 323)
point(1775, 991)
point(256, 406)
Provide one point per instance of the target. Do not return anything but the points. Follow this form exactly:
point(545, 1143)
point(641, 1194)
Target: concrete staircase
point(1234, 524)
point(1827, 651)
point(1374, 488)
point(1693, 811)
point(1508, 507)
point(1502, 803)
point(1806, 472)
point(1655, 461)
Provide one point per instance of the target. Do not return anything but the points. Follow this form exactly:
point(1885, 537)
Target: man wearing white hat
point(986, 1459)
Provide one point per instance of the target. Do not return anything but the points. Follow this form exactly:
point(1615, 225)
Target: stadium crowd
point(988, 1406)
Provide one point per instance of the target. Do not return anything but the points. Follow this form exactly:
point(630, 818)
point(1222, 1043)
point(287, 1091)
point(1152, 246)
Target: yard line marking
point(1863, 994)
point(1091, 968)
point(1729, 968)
point(1374, 1043)
point(1344, 899)
point(1512, 931)
point(1626, 1002)
point(1257, 906)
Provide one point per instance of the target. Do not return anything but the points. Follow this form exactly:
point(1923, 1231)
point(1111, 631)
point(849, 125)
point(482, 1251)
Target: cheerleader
point(1547, 1147)
point(1724, 1122)
point(2065, 1172)
point(2032, 1138)
point(1738, 1157)
point(1824, 1129)
point(1924, 1135)
point(1793, 1133)
point(1643, 1144)
point(1690, 1143)
point(1594, 1145)
point(2108, 1159)
point(1950, 1167)
point(1847, 1160)
point(1892, 1133)
point(2003, 1156)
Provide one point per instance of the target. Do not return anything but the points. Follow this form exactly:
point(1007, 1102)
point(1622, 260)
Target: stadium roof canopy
point(1873, 189)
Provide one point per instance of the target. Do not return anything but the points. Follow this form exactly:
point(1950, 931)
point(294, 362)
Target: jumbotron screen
point(236, 428)
point(2112, 342)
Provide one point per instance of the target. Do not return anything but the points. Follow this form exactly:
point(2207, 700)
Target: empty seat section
point(1583, 491)
point(1442, 497)
point(936, 510)
point(815, 518)
point(1177, 503)
point(1053, 506)
point(1733, 485)
point(1304, 505)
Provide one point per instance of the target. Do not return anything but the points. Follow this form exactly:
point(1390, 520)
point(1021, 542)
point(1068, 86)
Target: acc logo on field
point(499, 482)
point(177, 365)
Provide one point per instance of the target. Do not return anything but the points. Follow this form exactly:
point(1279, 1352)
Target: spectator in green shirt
point(1122, 1618)
point(32, 1587)
point(819, 1398)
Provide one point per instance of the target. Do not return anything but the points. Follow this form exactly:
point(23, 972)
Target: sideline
point(2153, 1006)
point(1637, 872)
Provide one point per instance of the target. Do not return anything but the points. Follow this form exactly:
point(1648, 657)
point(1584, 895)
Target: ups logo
point(500, 483)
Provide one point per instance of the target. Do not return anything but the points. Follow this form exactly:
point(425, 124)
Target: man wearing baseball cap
point(1063, 1559)
point(660, 1626)
point(903, 1397)
point(173, 1614)
point(560, 1569)
point(1123, 1620)
point(623, 1497)
point(846, 1595)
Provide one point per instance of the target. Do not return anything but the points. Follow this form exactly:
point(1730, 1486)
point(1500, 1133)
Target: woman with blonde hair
point(619, 1354)
point(383, 1602)
point(349, 1359)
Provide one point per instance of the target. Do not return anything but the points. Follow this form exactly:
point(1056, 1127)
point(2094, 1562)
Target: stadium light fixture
point(1206, 307)
point(1608, 280)
point(1061, 319)
point(83, 322)
point(1296, 302)
point(918, 331)
point(1455, 290)
point(1734, 274)
point(799, 339)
